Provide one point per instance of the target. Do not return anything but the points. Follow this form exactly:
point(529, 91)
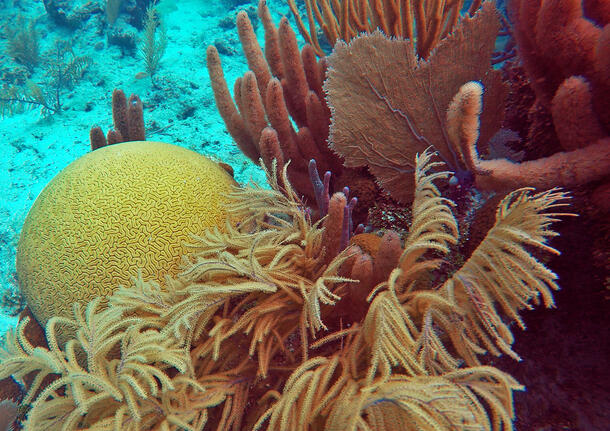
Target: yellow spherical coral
point(112, 212)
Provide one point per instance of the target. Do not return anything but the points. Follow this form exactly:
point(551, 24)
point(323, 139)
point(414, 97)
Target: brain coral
point(113, 211)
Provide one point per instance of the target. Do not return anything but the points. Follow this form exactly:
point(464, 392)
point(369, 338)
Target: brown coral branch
point(135, 119)
point(283, 87)
point(295, 83)
point(272, 43)
point(463, 122)
point(270, 149)
point(128, 119)
point(344, 20)
point(233, 120)
point(119, 112)
point(252, 107)
point(97, 138)
point(333, 224)
point(252, 50)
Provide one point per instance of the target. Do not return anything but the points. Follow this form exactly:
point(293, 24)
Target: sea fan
point(387, 106)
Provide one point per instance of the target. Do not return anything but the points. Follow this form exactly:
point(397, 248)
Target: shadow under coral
point(565, 350)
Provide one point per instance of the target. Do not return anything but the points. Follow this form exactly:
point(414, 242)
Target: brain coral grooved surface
point(115, 210)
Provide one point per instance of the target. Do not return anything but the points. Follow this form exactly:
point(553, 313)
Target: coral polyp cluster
point(266, 328)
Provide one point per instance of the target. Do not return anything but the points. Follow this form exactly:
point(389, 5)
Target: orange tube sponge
point(564, 169)
point(573, 116)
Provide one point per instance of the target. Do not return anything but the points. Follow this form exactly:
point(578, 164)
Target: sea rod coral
point(263, 329)
point(424, 21)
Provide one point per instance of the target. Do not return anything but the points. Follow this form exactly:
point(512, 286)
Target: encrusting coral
point(266, 328)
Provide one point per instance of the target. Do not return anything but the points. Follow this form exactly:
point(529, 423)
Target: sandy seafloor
point(34, 148)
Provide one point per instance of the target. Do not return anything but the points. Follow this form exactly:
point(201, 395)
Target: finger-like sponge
point(112, 212)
